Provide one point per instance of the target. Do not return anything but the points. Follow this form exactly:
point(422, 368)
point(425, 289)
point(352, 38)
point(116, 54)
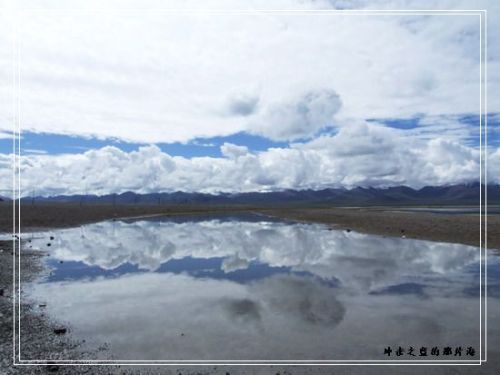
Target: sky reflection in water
point(252, 288)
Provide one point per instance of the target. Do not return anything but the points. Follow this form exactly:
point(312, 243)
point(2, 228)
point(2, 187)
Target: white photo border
point(483, 202)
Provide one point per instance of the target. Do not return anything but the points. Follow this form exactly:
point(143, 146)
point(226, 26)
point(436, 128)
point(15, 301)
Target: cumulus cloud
point(232, 151)
point(243, 105)
point(362, 154)
point(299, 118)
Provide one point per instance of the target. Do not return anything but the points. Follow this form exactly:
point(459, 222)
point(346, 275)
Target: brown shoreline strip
point(453, 228)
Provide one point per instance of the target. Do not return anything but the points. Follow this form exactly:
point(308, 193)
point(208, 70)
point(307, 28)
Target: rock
point(402, 231)
point(348, 230)
point(42, 305)
point(1, 292)
point(51, 238)
point(52, 368)
point(60, 331)
point(49, 244)
point(61, 261)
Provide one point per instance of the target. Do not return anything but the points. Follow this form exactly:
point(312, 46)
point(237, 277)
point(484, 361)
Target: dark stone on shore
point(348, 230)
point(61, 261)
point(60, 331)
point(402, 230)
point(51, 238)
point(48, 244)
point(52, 368)
point(1, 292)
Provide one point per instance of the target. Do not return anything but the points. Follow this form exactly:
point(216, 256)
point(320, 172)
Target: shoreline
point(385, 221)
point(450, 228)
point(40, 341)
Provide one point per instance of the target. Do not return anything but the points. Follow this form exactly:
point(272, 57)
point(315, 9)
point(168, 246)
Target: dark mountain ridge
point(463, 194)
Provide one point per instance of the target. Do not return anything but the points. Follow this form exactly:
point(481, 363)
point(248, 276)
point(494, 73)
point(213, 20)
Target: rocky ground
point(39, 339)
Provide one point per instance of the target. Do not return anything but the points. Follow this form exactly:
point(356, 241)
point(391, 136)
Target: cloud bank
point(363, 154)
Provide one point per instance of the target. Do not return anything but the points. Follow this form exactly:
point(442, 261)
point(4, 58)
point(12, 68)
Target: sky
point(166, 96)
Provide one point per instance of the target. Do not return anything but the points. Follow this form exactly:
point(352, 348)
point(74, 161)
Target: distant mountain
point(397, 195)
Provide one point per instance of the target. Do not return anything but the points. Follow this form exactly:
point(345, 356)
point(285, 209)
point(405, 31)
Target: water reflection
point(217, 248)
point(254, 289)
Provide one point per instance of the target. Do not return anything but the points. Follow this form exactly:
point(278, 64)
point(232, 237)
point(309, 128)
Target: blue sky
point(53, 144)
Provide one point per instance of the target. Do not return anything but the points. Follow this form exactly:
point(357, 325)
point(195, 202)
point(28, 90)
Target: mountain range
point(465, 194)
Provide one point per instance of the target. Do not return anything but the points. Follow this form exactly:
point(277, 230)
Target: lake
point(253, 288)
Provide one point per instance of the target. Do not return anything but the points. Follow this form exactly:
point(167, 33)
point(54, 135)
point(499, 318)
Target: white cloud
point(281, 76)
point(361, 154)
point(164, 77)
point(299, 117)
point(233, 151)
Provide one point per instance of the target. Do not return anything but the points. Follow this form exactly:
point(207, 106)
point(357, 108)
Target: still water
point(240, 288)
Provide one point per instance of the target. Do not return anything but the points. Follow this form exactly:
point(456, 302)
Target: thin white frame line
point(311, 361)
point(255, 12)
point(485, 94)
point(19, 180)
point(14, 346)
point(480, 190)
point(253, 364)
